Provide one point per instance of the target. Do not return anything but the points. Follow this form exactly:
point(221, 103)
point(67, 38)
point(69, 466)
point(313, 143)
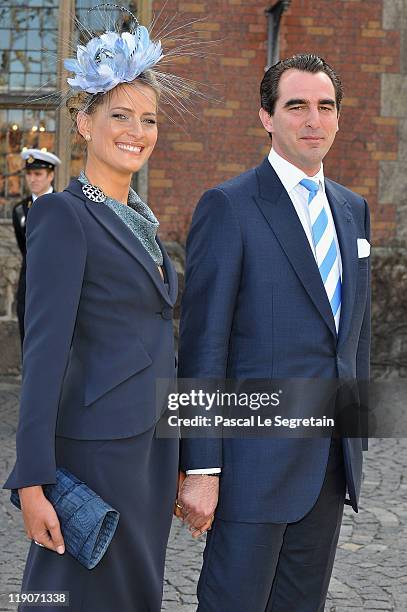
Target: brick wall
point(227, 137)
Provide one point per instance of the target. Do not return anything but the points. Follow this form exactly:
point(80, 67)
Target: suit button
point(166, 313)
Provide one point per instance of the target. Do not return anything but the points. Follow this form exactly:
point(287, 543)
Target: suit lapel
point(171, 273)
point(115, 226)
point(347, 238)
point(276, 206)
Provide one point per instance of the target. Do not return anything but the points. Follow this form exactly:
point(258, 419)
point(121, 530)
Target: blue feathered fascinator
point(114, 48)
point(113, 58)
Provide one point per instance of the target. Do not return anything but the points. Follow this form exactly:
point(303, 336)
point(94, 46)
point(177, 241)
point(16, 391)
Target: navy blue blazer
point(98, 331)
point(254, 306)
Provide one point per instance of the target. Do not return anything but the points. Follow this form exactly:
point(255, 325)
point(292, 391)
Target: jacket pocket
point(109, 370)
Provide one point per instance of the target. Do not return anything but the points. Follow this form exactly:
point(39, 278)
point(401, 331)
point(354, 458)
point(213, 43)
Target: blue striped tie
point(325, 248)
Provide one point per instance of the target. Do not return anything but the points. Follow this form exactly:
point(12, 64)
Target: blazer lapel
point(115, 226)
point(171, 273)
point(347, 238)
point(276, 206)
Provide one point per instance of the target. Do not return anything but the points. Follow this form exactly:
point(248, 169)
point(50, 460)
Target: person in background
point(39, 175)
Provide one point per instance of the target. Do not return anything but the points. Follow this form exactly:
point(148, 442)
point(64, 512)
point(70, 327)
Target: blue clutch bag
point(87, 522)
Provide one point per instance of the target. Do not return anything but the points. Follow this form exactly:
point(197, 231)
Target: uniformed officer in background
point(39, 174)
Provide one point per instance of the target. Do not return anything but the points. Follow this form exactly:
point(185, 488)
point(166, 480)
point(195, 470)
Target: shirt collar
point(290, 175)
point(135, 203)
point(34, 197)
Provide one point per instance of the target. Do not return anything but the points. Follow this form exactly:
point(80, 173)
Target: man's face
point(39, 180)
point(305, 119)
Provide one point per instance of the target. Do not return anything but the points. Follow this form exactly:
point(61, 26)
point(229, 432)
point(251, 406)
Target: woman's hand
point(40, 519)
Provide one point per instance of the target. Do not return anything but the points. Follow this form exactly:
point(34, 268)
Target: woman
point(100, 292)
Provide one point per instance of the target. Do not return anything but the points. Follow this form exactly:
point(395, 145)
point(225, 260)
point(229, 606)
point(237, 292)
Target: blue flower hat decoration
point(113, 58)
point(115, 48)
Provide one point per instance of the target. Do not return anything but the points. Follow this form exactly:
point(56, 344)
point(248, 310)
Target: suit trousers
point(272, 567)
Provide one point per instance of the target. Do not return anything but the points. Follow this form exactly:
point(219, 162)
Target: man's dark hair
point(306, 62)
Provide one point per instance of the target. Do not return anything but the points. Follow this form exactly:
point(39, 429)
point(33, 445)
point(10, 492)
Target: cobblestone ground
point(371, 563)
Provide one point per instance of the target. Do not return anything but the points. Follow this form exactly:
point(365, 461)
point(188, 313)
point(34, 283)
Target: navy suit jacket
point(98, 331)
point(254, 306)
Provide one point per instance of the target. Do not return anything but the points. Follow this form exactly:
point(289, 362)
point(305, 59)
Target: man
point(39, 174)
point(277, 286)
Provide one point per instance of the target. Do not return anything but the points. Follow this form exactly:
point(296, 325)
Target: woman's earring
point(87, 137)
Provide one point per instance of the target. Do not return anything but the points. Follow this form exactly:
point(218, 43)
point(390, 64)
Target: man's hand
point(199, 497)
point(40, 519)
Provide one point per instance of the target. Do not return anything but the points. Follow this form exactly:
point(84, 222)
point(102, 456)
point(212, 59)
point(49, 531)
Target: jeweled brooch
point(93, 193)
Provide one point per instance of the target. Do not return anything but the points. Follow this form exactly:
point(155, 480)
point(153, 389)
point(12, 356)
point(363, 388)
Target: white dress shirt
point(290, 176)
point(34, 197)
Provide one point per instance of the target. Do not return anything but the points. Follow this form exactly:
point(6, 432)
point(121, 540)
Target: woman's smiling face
point(123, 129)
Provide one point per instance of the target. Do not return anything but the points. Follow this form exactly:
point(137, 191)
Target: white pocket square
point(363, 247)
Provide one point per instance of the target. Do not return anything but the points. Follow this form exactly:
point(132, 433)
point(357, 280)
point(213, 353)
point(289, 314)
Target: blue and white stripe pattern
point(325, 248)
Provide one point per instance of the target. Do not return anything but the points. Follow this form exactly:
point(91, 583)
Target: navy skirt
point(138, 477)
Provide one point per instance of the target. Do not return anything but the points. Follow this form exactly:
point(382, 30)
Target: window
point(28, 44)
point(28, 37)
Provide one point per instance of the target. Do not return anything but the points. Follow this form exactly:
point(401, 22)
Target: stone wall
point(10, 260)
point(389, 313)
